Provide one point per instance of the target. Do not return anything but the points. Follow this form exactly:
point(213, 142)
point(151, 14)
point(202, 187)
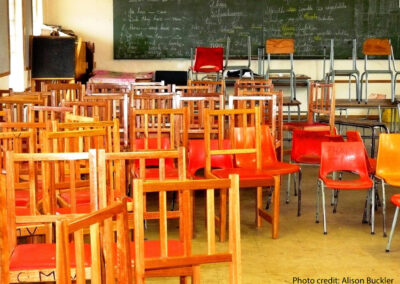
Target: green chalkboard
point(145, 29)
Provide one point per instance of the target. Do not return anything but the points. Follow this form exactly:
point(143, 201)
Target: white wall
point(93, 21)
point(4, 82)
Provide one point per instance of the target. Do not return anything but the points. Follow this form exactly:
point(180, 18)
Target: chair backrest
point(228, 120)
point(140, 89)
point(279, 46)
point(47, 113)
point(118, 107)
point(343, 156)
point(182, 250)
point(108, 250)
point(321, 102)
point(107, 88)
point(65, 91)
point(271, 108)
point(307, 145)
point(245, 138)
point(252, 85)
point(196, 103)
point(213, 86)
point(70, 117)
point(17, 103)
point(112, 169)
point(98, 110)
point(376, 46)
point(197, 156)
point(388, 158)
point(208, 59)
point(354, 136)
point(36, 127)
point(171, 123)
point(332, 55)
point(152, 101)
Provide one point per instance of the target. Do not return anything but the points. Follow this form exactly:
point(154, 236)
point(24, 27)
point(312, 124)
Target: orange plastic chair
point(208, 60)
point(388, 170)
point(343, 157)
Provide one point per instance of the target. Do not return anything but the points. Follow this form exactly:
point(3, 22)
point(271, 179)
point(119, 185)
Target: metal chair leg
point(299, 196)
point(288, 189)
point(396, 213)
point(372, 210)
point(317, 202)
point(384, 208)
point(323, 206)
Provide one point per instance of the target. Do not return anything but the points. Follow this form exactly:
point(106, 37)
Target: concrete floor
point(303, 254)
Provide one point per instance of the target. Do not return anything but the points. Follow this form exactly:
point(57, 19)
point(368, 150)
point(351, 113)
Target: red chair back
point(152, 144)
point(306, 145)
point(208, 59)
point(354, 136)
point(343, 156)
point(197, 156)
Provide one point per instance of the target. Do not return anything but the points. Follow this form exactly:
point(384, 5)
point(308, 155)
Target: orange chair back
point(343, 156)
point(354, 136)
point(388, 159)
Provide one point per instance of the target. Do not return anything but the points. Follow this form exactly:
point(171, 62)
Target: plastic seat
point(388, 171)
point(343, 157)
point(208, 60)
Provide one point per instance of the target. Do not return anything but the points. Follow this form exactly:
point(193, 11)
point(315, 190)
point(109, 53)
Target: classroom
point(199, 141)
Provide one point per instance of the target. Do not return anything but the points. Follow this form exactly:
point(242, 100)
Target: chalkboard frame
point(311, 23)
point(5, 39)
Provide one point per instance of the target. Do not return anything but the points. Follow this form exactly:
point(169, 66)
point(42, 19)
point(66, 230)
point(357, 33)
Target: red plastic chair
point(197, 156)
point(245, 138)
point(354, 136)
point(343, 157)
point(208, 60)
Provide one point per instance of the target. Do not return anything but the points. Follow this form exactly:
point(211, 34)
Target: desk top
point(385, 103)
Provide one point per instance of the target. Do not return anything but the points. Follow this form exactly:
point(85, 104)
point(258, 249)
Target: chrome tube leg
point(373, 210)
point(396, 214)
point(323, 206)
point(288, 189)
point(384, 207)
point(333, 193)
point(317, 202)
point(299, 196)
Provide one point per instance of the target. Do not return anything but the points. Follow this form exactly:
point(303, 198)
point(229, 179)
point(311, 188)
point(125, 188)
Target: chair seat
point(209, 69)
point(80, 209)
point(152, 249)
point(392, 180)
point(353, 184)
point(395, 199)
point(254, 176)
point(281, 168)
point(309, 159)
point(22, 197)
point(41, 256)
point(82, 196)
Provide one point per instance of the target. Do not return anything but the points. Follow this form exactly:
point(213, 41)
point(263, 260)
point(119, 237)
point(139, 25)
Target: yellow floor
point(303, 254)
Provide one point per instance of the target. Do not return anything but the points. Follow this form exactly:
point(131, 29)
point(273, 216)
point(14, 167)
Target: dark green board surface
point(145, 29)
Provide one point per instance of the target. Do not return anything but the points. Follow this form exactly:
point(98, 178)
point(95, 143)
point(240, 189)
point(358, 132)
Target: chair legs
point(299, 196)
point(321, 188)
point(384, 207)
point(396, 214)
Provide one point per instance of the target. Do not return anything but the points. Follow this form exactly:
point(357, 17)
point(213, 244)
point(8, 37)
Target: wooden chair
point(158, 123)
point(175, 257)
point(283, 46)
point(47, 113)
point(65, 91)
point(196, 103)
point(118, 107)
point(271, 107)
point(191, 90)
point(107, 88)
point(58, 262)
point(232, 124)
point(36, 127)
point(252, 85)
point(99, 110)
point(140, 89)
point(213, 86)
point(321, 102)
point(153, 101)
point(377, 47)
point(17, 103)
